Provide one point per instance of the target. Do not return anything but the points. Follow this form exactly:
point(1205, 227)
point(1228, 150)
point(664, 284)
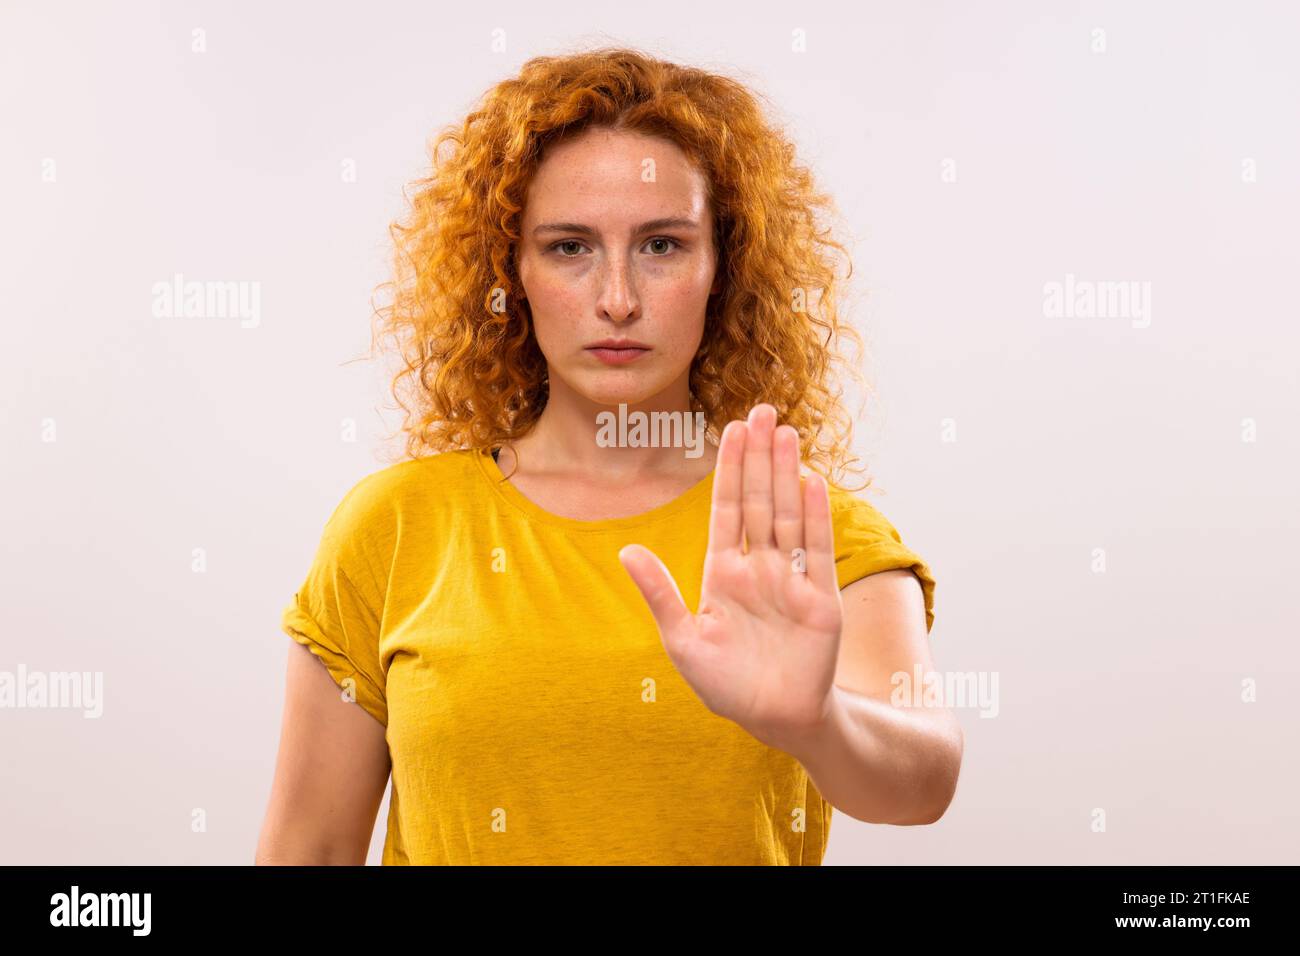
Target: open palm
point(762, 647)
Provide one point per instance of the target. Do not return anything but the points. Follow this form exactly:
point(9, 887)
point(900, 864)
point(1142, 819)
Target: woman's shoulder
point(867, 542)
point(850, 507)
point(386, 493)
point(861, 527)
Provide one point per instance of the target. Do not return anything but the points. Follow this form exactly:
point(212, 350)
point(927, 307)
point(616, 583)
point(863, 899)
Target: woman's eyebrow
point(671, 222)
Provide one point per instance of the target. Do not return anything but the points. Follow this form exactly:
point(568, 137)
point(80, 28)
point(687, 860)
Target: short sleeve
point(866, 543)
point(336, 613)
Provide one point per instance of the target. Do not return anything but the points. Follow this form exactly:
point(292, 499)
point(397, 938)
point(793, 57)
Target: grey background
point(1119, 690)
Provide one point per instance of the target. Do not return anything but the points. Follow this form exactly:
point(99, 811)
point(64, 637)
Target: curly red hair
point(471, 374)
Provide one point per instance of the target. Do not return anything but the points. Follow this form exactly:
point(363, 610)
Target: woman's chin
point(632, 390)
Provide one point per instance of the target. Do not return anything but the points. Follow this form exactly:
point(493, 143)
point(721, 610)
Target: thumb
point(657, 587)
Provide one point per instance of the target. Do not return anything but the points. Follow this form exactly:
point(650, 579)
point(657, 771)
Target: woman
point(577, 635)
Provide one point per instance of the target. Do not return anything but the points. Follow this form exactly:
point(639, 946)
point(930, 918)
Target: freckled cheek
point(692, 285)
point(557, 309)
point(682, 299)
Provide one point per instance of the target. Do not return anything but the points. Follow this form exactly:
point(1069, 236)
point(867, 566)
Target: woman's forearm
point(883, 764)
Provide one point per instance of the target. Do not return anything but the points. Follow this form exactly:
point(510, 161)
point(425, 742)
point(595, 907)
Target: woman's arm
point(874, 760)
point(330, 774)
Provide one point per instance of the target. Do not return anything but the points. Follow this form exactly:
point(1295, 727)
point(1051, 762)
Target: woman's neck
point(577, 436)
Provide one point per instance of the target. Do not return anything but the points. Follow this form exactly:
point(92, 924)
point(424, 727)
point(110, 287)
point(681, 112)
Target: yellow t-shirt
point(532, 713)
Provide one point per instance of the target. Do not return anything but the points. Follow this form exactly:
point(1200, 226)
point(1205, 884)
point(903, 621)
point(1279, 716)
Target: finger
point(657, 587)
point(756, 482)
point(818, 534)
point(726, 519)
point(787, 501)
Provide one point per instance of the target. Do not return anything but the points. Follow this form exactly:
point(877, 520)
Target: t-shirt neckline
point(497, 481)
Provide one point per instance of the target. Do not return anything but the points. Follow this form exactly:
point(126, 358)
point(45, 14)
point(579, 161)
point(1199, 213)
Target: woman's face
point(616, 244)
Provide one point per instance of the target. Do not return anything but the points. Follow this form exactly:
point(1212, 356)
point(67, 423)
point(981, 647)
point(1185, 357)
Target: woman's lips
point(613, 356)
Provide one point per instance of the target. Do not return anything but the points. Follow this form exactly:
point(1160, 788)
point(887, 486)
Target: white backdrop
point(1108, 501)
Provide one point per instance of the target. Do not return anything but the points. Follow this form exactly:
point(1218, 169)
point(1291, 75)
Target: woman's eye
point(568, 244)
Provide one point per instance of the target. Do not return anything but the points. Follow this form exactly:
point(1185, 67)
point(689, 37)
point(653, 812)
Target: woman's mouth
point(618, 354)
